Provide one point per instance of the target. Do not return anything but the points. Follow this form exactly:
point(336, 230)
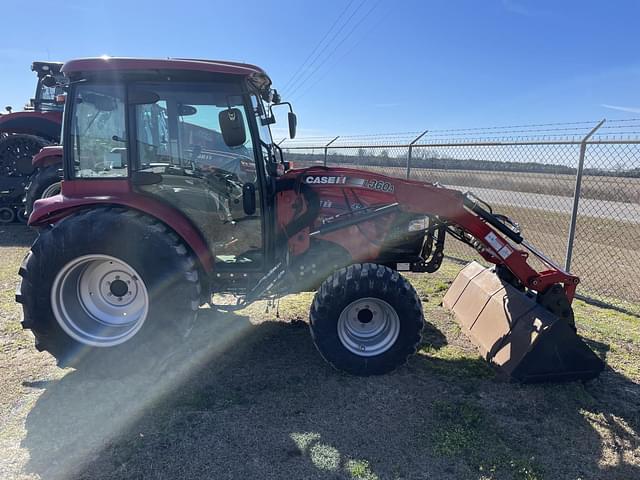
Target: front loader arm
point(487, 232)
point(303, 215)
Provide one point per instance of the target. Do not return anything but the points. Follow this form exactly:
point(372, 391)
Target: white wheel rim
point(51, 190)
point(99, 300)
point(368, 327)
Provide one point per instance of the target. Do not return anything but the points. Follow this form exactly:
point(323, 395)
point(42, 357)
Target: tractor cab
point(47, 98)
point(22, 135)
point(190, 136)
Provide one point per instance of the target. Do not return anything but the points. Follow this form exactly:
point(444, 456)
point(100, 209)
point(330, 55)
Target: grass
point(468, 432)
point(255, 400)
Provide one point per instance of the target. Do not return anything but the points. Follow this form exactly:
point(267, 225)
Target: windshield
point(46, 96)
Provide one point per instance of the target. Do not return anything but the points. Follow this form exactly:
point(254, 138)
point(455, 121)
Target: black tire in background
point(157, 254)
point(21, 215)
point(357, 283)
point(16, 153)
point(41, 185)
point(7, 215)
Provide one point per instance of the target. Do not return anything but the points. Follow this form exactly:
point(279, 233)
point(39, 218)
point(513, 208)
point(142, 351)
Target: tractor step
point(524, 340)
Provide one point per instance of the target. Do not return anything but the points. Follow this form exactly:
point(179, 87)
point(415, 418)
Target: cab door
point(177, 135)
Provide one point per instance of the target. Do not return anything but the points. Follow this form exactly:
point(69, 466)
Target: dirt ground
point(249, 397)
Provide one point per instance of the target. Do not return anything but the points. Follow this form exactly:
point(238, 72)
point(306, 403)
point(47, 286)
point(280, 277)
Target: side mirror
point(293, 120)
point(232, 127)
point(293, 124)
point(249, 198)
point(49, 81)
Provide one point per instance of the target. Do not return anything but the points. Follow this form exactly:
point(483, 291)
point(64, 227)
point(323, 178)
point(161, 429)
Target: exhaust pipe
point(524, 340)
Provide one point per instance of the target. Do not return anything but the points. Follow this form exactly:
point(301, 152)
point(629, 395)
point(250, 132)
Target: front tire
point(366, 319)
point(107, 284)
point(45, 182)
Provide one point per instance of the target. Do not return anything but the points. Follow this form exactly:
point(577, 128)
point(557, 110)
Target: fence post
point(576, 195)
point(326, 148)
point(410, 153)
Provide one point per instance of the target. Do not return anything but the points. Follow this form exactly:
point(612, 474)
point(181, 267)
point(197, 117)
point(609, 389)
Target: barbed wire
point(585, 122)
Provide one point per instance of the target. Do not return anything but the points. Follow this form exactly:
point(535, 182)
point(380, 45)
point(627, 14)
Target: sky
point(366, 66)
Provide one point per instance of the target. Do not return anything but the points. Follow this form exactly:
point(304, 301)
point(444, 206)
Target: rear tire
point(16, 154)
point(66, 286)
point(366, 319)
point(44, 183)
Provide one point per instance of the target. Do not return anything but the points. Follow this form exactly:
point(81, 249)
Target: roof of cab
point(118, 63)
point(46, 66)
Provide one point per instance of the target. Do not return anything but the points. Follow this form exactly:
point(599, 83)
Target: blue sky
point(394, 66)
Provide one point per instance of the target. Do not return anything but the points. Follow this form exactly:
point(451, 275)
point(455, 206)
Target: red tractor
point(174, 191)
point(22, 135)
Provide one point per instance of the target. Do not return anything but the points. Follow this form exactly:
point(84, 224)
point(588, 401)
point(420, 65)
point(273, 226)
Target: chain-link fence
point(573, 187)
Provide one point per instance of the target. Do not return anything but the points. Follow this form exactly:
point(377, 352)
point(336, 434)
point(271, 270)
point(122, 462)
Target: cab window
point(98, 132)
point(180, 128)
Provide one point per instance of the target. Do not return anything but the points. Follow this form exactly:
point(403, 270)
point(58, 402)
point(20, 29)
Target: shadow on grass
point(16, 235)
point(257, 401)
point(611, 305)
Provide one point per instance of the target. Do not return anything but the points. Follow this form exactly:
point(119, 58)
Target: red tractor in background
point(22, 135)
point(174, 192)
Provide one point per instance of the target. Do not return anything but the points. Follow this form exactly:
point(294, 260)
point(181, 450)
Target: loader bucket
point(524, 340)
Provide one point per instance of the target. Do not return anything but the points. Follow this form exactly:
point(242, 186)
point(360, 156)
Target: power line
point(375, 24)
point(326, 45)
point(301, 80)
point(302, 65)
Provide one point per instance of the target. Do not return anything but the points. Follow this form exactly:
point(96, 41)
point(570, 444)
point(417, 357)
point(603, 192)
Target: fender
point(43, 124)
point(74, 197)
point(48, 156)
